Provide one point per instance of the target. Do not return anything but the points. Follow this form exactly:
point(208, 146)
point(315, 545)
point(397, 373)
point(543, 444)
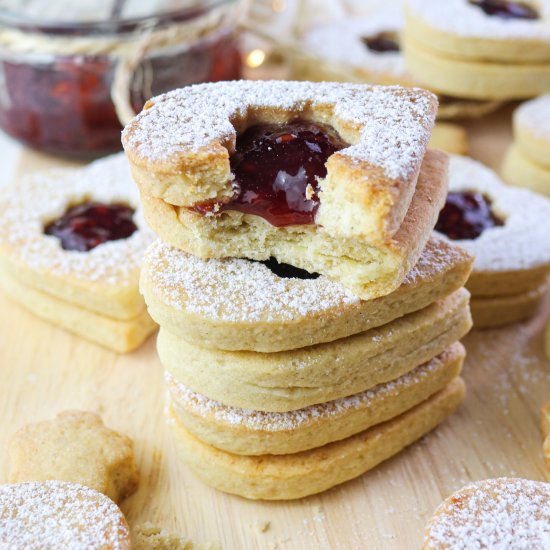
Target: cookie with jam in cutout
point(505, 229)
point(331, 178)
point(71, 243)
point(479, 49)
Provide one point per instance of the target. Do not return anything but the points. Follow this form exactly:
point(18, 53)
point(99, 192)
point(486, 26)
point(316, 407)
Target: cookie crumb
point(148, 536)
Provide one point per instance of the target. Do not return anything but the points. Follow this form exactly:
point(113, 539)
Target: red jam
point(287, 271)
point(276, 168)
point(466, 215)
point(90, 224)
point(382, 42)
point(64, 106)
point(507, 9)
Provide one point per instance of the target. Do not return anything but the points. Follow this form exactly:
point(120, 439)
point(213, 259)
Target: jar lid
point(67, 15)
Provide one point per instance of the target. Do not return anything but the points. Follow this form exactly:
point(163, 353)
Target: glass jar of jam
point(68, 77)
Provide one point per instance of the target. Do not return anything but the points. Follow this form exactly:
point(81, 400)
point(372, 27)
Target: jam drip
point(287, 271)
point(276, 168)
point(382, 42)
point(507, 9)
point(90, 224)
point(466, 215)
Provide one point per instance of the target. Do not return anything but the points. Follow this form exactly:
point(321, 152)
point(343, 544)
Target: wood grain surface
point(496, 432)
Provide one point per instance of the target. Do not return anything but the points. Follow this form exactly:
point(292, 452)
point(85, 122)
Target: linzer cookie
point(506, 230)
point(71, 244)
point(495, 513)
point(368, 50)
point(479, 49)
point(57, 514)
point(527, 162)
point(330, 178)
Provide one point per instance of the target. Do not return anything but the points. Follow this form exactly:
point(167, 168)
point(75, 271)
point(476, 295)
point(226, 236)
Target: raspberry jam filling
point(277, 168)
point(507, 9)
point(382, 42)
point(90, 224)
point(466, 215)
point(287, 271)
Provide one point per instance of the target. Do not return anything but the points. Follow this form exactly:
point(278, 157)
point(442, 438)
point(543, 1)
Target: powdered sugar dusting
point(341, 42)
point(277, 421)
point(239, 290)
point(534, 115)
point(465, 19)
point(57, 514)
point(501, 514)
point(395, 123)
point(522, 242)
point(29, 205)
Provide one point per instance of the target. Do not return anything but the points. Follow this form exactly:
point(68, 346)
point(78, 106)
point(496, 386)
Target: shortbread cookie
point(242, 305)
point(505, 228)
point(368, 50)
point(120, 335)
point(451, 138)
point(66, 449)
point(249, 432)
point(521, 171)
point(527, 162)
point(479, 49)
point(368, 271)
point(364, 224)
point(180, 145)
point(294, 379)
point(278, 477)
point(545, 428)
point(496, 311)
point(495, 513)
point(57, 514)
point(77, 235)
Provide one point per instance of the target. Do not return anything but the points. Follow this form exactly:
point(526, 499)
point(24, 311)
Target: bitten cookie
point(506, 230)
point(479, 49)
point(527, 162)
point(332, 178)
point(495, 513)
point(368, 49)
point(71, 244)
point(74, 447)
point(57, 514)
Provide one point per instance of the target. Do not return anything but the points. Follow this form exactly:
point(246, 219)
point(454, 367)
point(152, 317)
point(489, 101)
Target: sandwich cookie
point(71, 244)
point(322, 176)
point(505, 230)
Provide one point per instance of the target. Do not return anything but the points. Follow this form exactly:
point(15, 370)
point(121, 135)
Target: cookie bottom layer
point(476, 79)
point(499, 311)
point(301, 474)
point(246, 432)
point(521, 171)
point(117, 335)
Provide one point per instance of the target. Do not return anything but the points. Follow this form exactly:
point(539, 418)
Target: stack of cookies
point(309, 320)
point(527, 162)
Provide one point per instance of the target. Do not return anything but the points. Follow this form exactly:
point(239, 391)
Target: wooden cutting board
point(495, 433)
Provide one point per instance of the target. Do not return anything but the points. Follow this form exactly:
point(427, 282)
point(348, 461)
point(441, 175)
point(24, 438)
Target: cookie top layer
point(392, 124)
point(239, 290)
point(343, 42)
point(522, 242)
point(463, 18)
point(56, 514)
point(534, 116)
point(28, 206)
point(495, 513)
